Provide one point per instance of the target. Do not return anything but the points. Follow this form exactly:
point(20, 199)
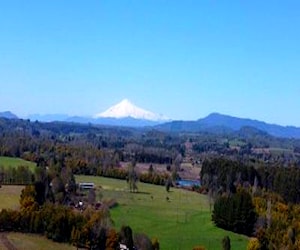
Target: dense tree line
point(20, 175)
point(221, 174)
point(261, 202)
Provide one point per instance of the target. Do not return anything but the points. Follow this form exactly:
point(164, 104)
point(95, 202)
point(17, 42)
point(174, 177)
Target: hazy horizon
point(184, 60)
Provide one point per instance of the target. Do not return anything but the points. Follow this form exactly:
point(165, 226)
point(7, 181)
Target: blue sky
point(184, 59)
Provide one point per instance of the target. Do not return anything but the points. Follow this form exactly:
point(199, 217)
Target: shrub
point(253, 244)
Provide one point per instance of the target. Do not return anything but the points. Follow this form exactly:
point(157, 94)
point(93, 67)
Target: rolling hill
point(217, 123)
point(8, 115)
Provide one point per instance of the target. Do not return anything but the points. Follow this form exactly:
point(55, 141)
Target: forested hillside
point(44, 142)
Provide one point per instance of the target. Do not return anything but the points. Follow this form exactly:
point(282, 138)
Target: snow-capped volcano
point(127, 109)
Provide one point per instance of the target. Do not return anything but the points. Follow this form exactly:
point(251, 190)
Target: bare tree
point(132, 177)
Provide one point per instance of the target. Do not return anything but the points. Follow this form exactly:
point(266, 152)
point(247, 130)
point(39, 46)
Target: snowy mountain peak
point(127, 109)
point(125, 102)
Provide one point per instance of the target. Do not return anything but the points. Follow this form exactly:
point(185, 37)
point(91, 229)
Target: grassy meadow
point(179, 219)
point(15, 162)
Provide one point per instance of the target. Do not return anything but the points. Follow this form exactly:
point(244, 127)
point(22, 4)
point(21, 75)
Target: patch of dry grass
point(31, 241)
point(9, 196)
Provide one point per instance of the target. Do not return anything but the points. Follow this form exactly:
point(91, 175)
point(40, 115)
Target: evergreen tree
point(235, 213)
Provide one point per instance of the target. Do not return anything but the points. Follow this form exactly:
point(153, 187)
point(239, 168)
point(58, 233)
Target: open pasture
point(179, 219)
point(16, 162)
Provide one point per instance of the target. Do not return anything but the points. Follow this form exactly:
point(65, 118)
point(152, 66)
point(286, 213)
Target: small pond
point(188, 183)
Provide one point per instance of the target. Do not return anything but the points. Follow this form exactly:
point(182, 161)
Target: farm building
point(86, 185)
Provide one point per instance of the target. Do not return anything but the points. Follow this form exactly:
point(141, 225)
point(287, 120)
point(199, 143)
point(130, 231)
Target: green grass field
point(179, 219)
point(15, 162)
point(181, 222)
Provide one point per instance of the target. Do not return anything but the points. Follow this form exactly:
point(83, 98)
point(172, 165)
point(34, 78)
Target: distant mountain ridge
point(216, 122)
point(8, 115)
point(213, 123)
point(110, 121)
point(48, 117)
